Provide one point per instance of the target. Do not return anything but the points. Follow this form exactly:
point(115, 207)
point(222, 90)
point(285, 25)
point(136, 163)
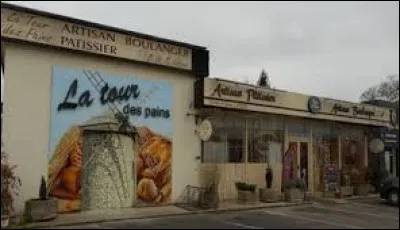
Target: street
point(369, 214)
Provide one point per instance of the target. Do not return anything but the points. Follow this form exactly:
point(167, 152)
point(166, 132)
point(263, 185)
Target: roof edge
point(287, 91)
point(98, 25)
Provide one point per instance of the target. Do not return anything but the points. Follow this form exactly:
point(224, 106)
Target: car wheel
point(393, 197)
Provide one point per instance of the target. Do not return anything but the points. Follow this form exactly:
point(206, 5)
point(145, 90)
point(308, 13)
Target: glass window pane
point(265, 140)
point(227, 142)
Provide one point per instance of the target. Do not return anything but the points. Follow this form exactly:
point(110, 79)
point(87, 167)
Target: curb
point(363, 197)
point(104, 220)
point(344, 200)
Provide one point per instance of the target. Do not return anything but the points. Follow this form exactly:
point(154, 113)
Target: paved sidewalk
point(375, 214)
point(97, 216)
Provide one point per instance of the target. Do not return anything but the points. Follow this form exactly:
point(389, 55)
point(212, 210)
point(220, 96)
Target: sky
point(330, 49)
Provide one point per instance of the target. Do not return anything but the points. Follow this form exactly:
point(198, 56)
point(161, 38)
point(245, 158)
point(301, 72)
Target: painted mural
point(76, 101)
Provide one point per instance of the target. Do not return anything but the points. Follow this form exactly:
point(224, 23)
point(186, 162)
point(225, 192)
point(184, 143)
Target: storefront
point(391, 152)
point(320, 139)
point(66, 78)
point(387, 163)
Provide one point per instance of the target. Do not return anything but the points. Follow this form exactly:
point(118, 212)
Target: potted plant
point(294, 190)
point(42, 209)
point(361, 187)
point(246, 192)
point(10, 185)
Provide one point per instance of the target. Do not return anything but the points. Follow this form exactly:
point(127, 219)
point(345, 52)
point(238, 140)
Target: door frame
point(299, 140)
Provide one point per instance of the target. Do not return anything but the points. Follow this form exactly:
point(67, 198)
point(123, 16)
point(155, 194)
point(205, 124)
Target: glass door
point(295, 161)
point(290, 162)
point(304, 162)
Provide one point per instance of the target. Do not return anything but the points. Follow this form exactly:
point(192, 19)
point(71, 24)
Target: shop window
point(235, 133)
point(227, 143)
point(265, 141)
point(326, 153)
point(214, 150)
point(353, 153)
point(353, 148)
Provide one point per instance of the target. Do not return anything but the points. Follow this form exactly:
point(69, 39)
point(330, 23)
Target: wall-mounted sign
point(238, 92)
point(360, 111)
point(75, 100)
point(390, 138)
point(376, 146)
point(49, 31)
point(234, 95)
point(204, 130)
point(251, 94)
point(394, 117)
point(356, 110)
point(314, 105)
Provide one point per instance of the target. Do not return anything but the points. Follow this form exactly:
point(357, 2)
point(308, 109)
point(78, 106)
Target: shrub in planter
point(246, 192)
point(42, 209)
point(294, 190)
point(242, 186)
point(10, 185)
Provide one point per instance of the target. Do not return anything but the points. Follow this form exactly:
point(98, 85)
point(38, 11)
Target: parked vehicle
point(390, 190)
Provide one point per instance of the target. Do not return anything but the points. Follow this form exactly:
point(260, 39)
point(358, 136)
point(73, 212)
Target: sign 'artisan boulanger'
point(103, 39)
point(156, 46)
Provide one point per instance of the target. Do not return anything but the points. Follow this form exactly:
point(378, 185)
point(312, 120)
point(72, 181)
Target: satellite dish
point(204, 130)
point(376, 146)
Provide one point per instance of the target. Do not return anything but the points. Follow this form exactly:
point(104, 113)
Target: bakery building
point(299, 136)
point(65, 79)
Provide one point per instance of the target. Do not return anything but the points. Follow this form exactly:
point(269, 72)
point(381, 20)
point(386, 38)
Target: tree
point(263, 80)
point(387, 90)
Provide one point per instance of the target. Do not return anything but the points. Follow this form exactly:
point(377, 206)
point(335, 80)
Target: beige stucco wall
point(27, 111)
point(252, 173)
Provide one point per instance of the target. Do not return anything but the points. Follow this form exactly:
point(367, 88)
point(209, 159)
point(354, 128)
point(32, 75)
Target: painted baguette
point(67, 145)
point(164, 193)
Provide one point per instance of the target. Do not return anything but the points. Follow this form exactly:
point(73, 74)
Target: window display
point(265, 137)
point(227, 142)
point(265, 140)
point(326, 152)
point(353, 154)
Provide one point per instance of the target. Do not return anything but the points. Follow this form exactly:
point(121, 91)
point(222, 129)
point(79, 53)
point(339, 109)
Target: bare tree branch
point(387, 90)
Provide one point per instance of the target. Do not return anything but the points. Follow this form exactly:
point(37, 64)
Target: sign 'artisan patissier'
point(60, 33)
point(233, 95)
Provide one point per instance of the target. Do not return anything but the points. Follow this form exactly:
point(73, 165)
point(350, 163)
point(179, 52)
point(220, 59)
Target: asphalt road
point(369, 214)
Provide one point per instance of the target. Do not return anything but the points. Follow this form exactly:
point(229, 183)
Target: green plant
point(43, 189)
point(10, 185)
point(242, 186)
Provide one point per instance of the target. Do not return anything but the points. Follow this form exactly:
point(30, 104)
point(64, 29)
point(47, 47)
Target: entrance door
point(304, 162)
point(297, 160)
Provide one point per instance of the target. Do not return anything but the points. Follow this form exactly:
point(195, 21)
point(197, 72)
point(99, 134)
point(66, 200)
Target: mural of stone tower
point(107, 179)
